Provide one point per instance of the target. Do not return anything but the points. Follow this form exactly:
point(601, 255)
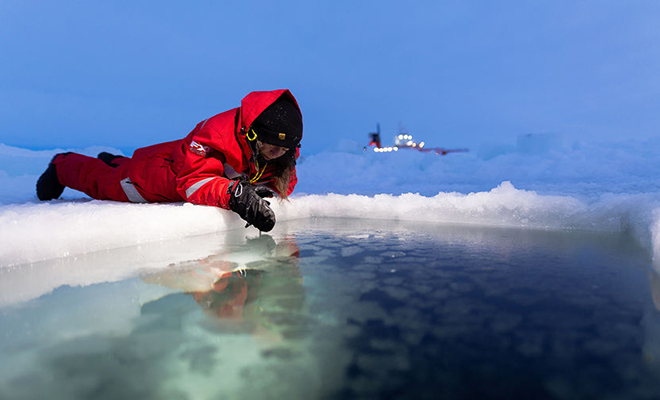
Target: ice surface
point(540, 182)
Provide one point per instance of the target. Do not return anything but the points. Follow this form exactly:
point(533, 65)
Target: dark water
point(338, 309)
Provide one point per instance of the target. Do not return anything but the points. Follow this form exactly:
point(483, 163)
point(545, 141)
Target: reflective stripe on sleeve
point(192, 189)
point(131, 191)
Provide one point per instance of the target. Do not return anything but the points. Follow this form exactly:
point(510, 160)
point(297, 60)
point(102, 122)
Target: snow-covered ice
point(540, 182)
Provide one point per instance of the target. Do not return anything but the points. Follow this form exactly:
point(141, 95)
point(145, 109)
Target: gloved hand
point(263, 191)
point(246, 201)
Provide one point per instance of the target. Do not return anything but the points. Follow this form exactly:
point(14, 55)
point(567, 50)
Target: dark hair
point(282, 168)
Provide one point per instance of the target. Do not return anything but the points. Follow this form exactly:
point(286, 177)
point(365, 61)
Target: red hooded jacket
point(199, 167)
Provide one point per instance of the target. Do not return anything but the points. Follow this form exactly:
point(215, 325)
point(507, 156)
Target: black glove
point(263, 191)
point(247, 202)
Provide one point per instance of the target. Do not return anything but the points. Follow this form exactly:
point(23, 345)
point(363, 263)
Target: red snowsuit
point(196, 169)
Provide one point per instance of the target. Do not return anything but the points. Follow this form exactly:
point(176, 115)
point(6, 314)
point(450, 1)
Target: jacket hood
point(256, 102)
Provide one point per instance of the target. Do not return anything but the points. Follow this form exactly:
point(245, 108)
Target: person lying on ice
point(231, 160)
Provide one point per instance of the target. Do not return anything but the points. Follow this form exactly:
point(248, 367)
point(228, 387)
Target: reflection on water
point(256, 289)
point(344, 309)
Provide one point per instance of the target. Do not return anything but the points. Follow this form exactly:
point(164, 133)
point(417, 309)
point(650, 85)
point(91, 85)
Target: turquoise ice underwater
point(79, 268)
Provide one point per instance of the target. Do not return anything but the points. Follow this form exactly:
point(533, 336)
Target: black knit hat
point(280, 124)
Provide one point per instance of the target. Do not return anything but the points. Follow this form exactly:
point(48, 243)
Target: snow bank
point(503, 206)
point(538, 185)
point(36, 232)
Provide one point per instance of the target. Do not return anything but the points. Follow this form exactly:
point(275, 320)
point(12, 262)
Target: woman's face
point(271, 152)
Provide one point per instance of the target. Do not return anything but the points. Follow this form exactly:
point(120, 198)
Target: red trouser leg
point(91, 176)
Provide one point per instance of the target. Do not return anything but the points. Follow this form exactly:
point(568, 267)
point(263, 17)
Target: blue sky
point(456, 73)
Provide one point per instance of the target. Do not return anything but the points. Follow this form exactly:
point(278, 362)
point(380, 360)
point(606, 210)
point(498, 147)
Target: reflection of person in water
point(256, 294)
point(230, 293)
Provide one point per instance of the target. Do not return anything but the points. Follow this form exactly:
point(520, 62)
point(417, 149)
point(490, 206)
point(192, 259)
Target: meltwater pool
point(343, 309)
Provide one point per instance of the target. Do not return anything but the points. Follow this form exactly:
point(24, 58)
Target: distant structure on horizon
point(403, 140)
